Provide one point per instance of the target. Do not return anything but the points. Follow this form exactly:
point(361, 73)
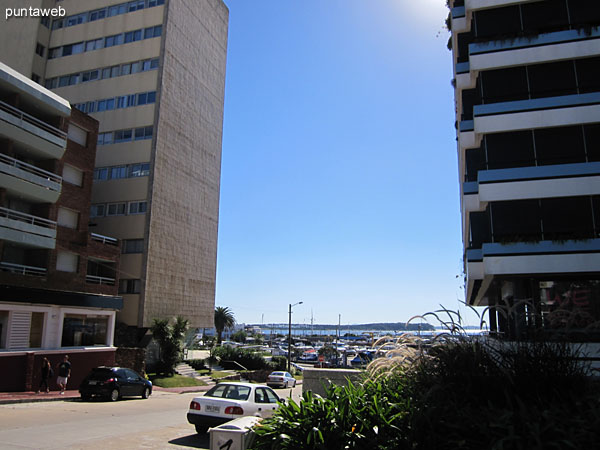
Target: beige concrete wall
point(124, 153)
point(316, 380)
point(19, 33)
point(184, 195)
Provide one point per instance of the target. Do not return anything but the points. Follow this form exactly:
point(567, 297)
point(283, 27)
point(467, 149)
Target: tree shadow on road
point(201, 441)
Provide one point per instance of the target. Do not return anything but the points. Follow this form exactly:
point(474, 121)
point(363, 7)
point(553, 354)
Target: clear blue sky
point(339, 174)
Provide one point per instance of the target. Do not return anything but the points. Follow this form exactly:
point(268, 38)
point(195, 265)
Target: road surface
point(156, 423)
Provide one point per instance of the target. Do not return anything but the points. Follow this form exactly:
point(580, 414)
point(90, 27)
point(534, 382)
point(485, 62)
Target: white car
point(228, 401)
point(281, 380)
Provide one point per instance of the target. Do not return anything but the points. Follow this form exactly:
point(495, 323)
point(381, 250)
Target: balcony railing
point(93, 279)
point(27, 218)
point(104, 239)
point(32, 120)
point(22, 269)
point(30, 169)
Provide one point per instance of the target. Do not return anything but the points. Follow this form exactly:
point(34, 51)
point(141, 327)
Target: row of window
point(108, 41)
point(98, 14)
point(119, 209)
point(553, 79)
point(125, 171)
point(122, 101)
point(101, 74)
point(115, 137)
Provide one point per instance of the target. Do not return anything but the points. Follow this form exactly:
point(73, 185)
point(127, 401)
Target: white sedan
point(281, 380)
point(228, 401)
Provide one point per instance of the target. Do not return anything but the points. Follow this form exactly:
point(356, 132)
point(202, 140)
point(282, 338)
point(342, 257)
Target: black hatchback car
point(114, 383)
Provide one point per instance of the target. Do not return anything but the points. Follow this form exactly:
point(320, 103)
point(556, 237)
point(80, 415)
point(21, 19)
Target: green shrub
point(279, 363)
point(246, 358)
point(370, 415)
point(197, 364)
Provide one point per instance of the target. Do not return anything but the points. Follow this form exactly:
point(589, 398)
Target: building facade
point(58, 281)
point(152, 72)
point(527, 94)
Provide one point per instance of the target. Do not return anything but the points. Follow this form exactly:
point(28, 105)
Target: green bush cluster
point(247, 358)
point(369, 415)
point(462, 395)
point(197, 364)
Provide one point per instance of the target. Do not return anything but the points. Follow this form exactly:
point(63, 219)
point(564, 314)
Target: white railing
point(22, 269)
point(27, 218)
point(30, 169)
point(32, 120)
point(104, 239)
point(93, 279)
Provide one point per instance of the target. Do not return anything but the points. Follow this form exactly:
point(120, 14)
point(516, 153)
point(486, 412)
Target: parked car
point(281, 380)
point(227, 401)
point(114, 383)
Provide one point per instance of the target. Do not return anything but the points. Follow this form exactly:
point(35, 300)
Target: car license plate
point(210, 408)
point(92, 383)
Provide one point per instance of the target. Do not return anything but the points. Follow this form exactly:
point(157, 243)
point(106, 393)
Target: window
point(116, 209)
point(82, 330)
point(105, 138)
point(110, 104)
point(90, 107)
point(97, 211)
point(152, 97)
point(35, 77)
point(125, 69)
point(139, 170)
point(36, 330)
point(143, 133)
point(68, 218)
point(77, 134)
point(106, 72)
point(101, 105)
point(39, 49)
point(118, 172)
point(123, 136)
point(138, 207)
point(72, 175)
point(142, 99)
point(130, 286)
point(133, 246)
point(101, 174)
point(67, 262)
point(45, 20)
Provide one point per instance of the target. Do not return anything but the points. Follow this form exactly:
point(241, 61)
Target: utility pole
point(289, 364)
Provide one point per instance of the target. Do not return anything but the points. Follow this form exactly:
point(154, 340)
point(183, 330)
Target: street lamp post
point(289, 364)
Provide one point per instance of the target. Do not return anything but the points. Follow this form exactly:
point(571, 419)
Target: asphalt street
point(159, 422)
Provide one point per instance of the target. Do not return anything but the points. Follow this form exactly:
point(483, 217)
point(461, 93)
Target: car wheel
point(294, 385)
point(146, 393)
point(201, 429)
point(114, 395)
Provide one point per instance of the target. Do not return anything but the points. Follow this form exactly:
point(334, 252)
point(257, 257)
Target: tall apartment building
point(58, 281)
point(152, 72)
point(527, 94)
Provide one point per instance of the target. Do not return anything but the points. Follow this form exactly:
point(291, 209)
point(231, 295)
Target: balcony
point(38, 138)
point(517, 115)
point(94, 279)
point(523, 258)
point(21, 269)
point(561, 180)
point(25, 229)
point(29, 182)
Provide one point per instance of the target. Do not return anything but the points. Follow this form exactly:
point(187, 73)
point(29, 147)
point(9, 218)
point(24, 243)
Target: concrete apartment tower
point(527, 92)
point(152, 72)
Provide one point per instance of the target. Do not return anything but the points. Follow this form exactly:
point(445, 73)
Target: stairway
point(186, 370)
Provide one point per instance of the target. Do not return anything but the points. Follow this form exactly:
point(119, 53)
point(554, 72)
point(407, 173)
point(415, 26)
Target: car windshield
point(229, 391)
point(277, 374)
point(101, 374)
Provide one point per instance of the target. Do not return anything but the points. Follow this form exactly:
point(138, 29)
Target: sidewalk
point(32, 397)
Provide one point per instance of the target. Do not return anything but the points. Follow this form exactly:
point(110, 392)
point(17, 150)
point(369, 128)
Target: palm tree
point(224, 320)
